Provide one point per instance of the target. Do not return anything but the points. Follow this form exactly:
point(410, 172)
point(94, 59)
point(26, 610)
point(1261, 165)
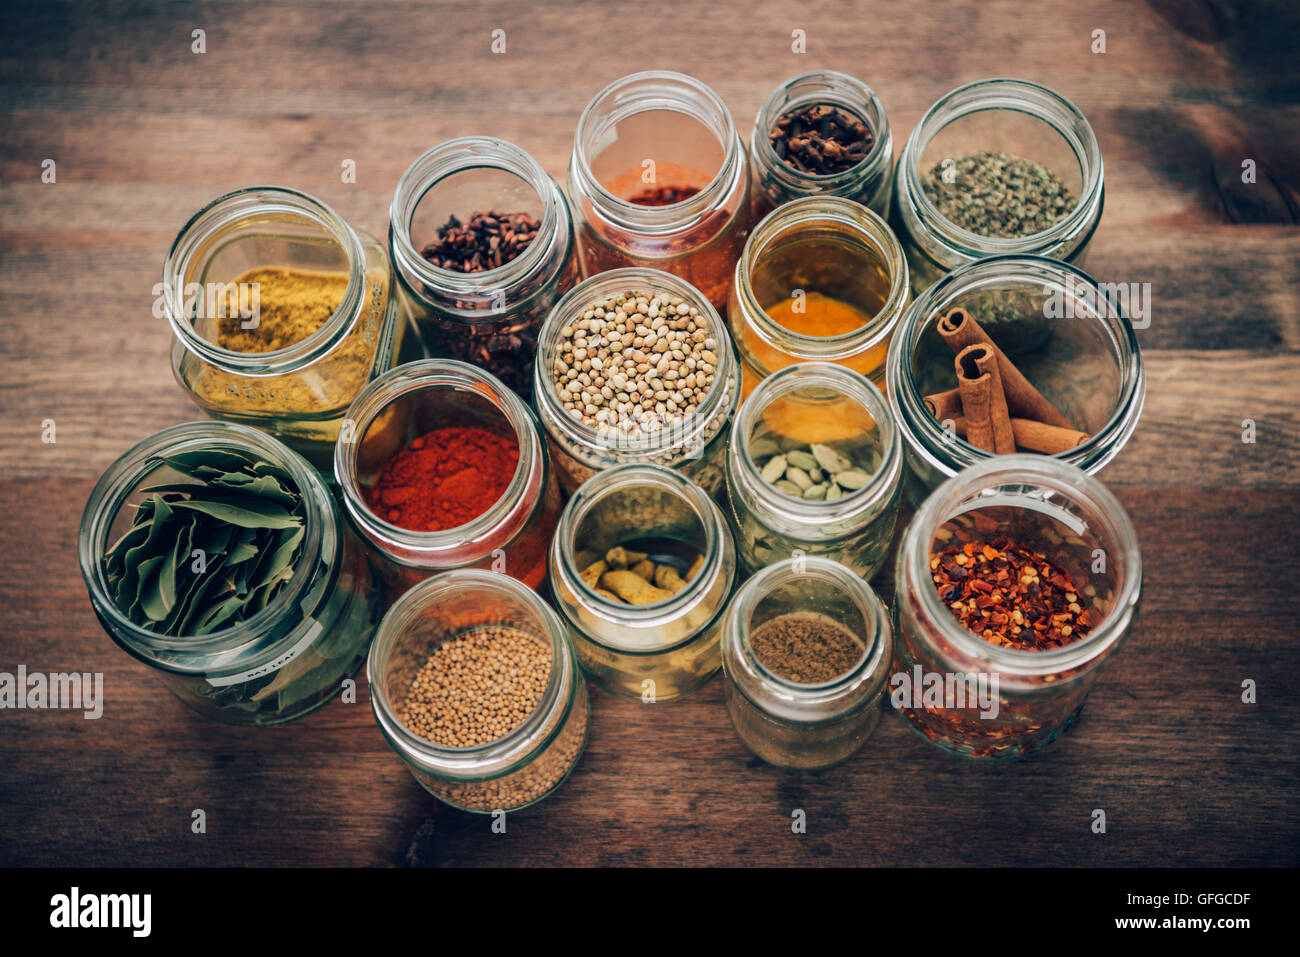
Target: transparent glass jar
point(696, 446)
point(997, 116)
point(815, 402)
point(511, 536)
point(660, 128)
point(654, 652)
point(519, 768)
point(487, 318)
point(1067, 334)
point(775, 182)
point(818, 246)
point(1052, 508)
point(788, 723)
point(288, 658)
point(298, 393)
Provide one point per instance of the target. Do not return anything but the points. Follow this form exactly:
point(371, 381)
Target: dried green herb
point(211, 552)
point(998, 194)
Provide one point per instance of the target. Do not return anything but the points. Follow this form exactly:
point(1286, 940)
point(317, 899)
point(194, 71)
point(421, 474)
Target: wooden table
point(144, 131)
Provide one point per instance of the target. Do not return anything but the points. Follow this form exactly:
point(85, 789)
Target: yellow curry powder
point(292, 305)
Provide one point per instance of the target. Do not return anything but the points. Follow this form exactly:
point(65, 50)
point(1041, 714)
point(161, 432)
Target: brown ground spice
point(805, 648)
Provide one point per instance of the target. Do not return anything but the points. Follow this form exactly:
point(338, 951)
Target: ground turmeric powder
point(291, 303)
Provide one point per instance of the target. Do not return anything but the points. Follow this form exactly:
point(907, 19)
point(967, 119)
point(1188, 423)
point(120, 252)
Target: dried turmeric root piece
point(695, 567)
point(620, 557)
point(644, 569)
point(591, 574)
point(632, 588)
point(666, 577)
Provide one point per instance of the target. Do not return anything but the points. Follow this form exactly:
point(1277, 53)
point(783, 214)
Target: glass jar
point(775, 182)
point(1068, 335)
point(1057, 510)
point(487, 318)
point(524, 765)
point(511, 536)
point(820, 247)
point(792, 724)
point(806, 404)
point(298, 393)
point(696, 445)
point(651, 130)
point(654, 652)
point(288, 658)
point(997, 116)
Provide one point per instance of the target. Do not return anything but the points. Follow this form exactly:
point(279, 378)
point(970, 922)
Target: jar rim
point(448, 159)
point(126, 475)
point(789, 698)
point(1060, 478)
point(220, 215)
point(1023, 96)
point(670, 91)
point(592, 290)
point(866, 226)
point(611, 481)
point(850, 385)
point(923, 433)
point(477, 537)
point(839, 89)
point(502, 755)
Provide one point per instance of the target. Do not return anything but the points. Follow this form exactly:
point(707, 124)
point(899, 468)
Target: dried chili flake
point(1009, 595)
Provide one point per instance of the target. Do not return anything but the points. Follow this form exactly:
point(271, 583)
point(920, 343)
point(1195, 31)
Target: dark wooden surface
point(144, 131)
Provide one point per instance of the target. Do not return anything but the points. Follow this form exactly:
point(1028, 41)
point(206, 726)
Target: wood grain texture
point(144, 132)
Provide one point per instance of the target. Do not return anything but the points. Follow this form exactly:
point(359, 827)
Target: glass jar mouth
point(446, 160)
point(811, 88)
point(594, 290)
point(220, 215)
point(500, 755)
point(642, 92)
point(791, 696)
point(1023, 96)
point(868, 229)
point(127, 475)
point(850, 385)
point(613, 481)
point(1022, 471)
point(510, 510)
point(924, 434)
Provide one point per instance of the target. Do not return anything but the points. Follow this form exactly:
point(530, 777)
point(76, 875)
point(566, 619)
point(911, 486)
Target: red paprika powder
point(444, 479)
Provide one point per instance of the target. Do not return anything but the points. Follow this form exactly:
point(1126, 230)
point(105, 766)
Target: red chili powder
point(444, 479)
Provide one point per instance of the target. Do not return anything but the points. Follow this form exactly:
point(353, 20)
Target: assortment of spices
point(290, 305)
point(477, 687)
point(1010, 595)
point(821, 138)
point(635, 363)
point(488, 240)
point(806, 647)
point(445, 478)
point(242, 515)
point(998, 195)
point(990, 390)
point(816, 473)
point(641, 572)
point(821, 279)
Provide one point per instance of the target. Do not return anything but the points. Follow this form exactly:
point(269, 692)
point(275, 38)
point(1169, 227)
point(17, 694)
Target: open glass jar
point(658, 178)
point(809, 416)
point(521, 766)
point(510, 535)
point(1029, 697)
point(490, 317)
point(291, 655)
point(668, 647)
point(821, 279)
point(797, 723)
point(298, 392)
point(634, 422)
point(996, 116)
point(1068, 335)
point(776, 182)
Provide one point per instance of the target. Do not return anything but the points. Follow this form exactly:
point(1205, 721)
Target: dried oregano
point(211, 552)
point(998, 195)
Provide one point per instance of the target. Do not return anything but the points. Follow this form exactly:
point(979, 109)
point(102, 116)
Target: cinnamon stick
point(984, 360)
point(959, 330)
point(1035, 436)
point(977, 403)
point(944, 405)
